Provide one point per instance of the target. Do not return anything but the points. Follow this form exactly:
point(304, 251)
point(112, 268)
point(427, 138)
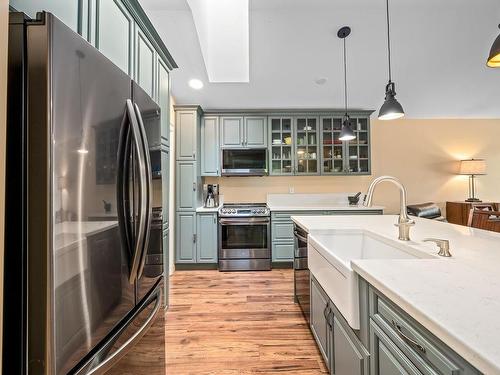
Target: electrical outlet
point(291, 189)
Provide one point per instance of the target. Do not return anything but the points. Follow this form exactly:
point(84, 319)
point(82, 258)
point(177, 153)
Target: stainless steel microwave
point(244, 162)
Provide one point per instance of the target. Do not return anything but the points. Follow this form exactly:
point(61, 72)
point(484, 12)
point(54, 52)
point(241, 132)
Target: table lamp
point(472, 168)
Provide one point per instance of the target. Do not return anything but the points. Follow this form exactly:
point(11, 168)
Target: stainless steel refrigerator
point(80, 295)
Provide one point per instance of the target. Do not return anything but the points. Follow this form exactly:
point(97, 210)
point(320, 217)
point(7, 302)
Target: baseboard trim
point(282, 265)
point(195, 266)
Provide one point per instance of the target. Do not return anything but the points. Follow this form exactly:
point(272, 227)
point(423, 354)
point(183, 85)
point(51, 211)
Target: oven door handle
point(250, 221)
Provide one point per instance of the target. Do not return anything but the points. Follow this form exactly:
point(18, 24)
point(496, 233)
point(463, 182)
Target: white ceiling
point(439, 48)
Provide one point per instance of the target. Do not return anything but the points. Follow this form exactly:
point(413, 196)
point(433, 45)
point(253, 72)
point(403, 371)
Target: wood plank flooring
point(237, 323)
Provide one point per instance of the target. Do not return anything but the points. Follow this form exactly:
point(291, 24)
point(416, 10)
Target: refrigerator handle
point(143, 203)
point(123, 187)
point(110, 361)
point(148, 189)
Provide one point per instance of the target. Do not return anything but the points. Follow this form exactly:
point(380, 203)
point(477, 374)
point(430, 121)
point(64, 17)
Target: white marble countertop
point(209, 209)
point(315, 202)
point(457, 298)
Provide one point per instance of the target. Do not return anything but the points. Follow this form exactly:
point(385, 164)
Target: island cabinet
point(400, 345)
point(341, 348)
point(243, 131)
point(389, 341)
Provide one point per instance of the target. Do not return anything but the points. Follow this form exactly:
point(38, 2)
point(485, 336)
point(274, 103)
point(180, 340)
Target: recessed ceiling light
point(82, 151)
point(196, 84)
point(321, 80)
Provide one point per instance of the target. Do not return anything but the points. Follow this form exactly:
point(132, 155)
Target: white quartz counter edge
point(454, 342)
point(346, 207)
point(475, 251)
point(208, 209)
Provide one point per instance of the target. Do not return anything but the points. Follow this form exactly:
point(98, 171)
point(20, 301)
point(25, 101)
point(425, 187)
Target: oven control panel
point(243, 211)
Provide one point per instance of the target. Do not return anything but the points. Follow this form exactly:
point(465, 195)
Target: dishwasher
point(301, 275)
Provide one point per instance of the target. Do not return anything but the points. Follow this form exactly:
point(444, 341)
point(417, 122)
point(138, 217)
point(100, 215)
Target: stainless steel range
point(244, 237)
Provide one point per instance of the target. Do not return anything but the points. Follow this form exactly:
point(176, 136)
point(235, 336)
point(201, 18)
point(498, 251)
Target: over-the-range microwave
point(244, 162)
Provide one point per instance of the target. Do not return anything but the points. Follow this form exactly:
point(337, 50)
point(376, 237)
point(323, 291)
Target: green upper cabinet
point(145, 63)
point(306, 145)
point(210, 146)
point(187, 124)
point(163, 99)
point(231, 131)
point(115, 33)
point(352, 157)
point(68, 11)
point(281, 140)
point(255, 131)
point(240, 131)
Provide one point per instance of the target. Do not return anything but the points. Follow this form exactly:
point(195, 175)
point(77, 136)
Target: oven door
point(244, 238)
point(301, 272)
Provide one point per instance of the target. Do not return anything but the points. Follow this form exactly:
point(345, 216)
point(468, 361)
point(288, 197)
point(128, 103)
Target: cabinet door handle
point(194, 154)
point(406, 339)
point(194, 186)
point(215, 220)
point(194, 238)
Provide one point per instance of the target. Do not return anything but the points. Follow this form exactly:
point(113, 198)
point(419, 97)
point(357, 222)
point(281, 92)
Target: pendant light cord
point(345, 79)
point(388, 40)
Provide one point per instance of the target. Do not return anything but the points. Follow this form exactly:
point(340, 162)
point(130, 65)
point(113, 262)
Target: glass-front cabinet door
point(340, 158)
point(333, 155)
point(358, 150)
point(281, 139)
point(306, 145)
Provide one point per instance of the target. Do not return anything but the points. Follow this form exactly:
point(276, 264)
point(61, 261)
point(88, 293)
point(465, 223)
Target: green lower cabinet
point(386, 358)
point(349, 356)
point(319, 323)
point(206, 243)
point(282, 252)
point(185, 237)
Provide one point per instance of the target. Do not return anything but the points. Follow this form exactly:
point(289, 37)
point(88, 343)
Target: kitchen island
point(456, 299)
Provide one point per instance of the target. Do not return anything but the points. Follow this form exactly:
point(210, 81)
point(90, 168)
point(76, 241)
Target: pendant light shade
point(391, 109)
point(494, 58)
point(346, 133)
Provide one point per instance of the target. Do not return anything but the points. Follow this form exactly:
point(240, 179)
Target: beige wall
point(4, 8)
point(422, 153)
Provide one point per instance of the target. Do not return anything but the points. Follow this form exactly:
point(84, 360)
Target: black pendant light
point(346, 134)
point(494, 58)
point(391, 109)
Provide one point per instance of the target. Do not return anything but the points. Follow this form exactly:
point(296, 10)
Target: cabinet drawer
point(282, 252)
point(422, 348)
point(282, 231)
point(386, 358)
point(286, 215)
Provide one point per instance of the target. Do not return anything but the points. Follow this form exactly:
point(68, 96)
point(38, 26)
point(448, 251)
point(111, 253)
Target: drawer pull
point(406, 339)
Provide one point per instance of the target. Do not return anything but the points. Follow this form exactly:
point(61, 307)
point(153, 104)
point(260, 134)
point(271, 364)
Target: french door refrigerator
point(80, 296)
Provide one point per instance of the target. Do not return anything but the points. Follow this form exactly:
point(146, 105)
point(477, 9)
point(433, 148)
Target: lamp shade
point(473, 167)
point(391, 109)
point(346, 133)
point(494, 57)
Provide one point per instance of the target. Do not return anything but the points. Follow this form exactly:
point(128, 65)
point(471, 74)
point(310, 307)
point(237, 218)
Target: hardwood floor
point(237, 323)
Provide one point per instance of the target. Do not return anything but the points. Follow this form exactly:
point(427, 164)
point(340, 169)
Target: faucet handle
point(444, 246)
